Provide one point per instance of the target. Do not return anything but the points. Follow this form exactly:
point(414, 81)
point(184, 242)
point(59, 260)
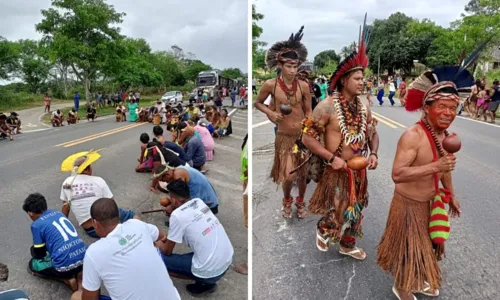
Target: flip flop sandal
point(286, 208)
point(353, 253)
point(395, 291)
point(324, 241)
point(426, 291)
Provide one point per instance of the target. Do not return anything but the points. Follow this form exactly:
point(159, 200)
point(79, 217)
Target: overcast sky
point(334, 24)
point(216, 31)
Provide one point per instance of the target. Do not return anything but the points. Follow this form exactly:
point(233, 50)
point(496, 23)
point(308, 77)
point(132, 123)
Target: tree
point(8, 57)
point(134, 66)
point(169, 69)
point(256, 30)
point(329, 68)
point(259, 59)
point(34, 66)
point(325, 57)
point(233, 73)
point(81, 33)
point(194, 68)
point(388, 41)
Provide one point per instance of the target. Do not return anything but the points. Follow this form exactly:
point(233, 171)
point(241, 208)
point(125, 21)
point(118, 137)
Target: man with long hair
point(341, 130)
point(292, 102)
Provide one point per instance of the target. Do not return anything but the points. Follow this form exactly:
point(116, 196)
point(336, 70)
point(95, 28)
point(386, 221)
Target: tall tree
point(81, 32)
point(8, 57)
point(259, 59)
point(169, 69)
point(256, 30)
point(325, 57)
point(34, 65)
point(194, 68)
point(233, 73)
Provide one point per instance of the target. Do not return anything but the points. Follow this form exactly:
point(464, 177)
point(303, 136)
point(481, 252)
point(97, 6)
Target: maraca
point(452, 143)
point(357, 163)
point(285, 109)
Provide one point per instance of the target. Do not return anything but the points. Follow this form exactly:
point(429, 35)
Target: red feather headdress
point(354, 62)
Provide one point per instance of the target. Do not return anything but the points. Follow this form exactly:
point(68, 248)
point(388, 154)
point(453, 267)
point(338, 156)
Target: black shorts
point(52, 273)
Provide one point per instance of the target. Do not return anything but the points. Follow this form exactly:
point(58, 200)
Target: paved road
point(31, 164)
point(287, 264)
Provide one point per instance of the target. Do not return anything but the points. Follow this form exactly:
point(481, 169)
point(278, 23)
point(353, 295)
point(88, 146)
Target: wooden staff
point(152, 211)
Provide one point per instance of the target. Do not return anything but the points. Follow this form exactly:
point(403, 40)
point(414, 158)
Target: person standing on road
point(212, 252)
point(380, 92)
point(323, 88)
point(80, 191)
point(254, 86)
point(341, 129)
point(402, 91)
point(47, 101)
point(392, 92)
point(494, 101)
point(414, 236)
point(76, 101)
point(294, 95)
point(125, 260)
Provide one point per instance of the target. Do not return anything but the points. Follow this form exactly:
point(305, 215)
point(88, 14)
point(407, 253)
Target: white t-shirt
point(128, 264)
point(392, 87)
point(85, 191)
point(55, 114)
point(194, 223)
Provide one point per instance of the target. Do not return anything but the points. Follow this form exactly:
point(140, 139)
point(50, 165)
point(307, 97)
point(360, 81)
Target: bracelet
point(374, 154)
point(330, 161)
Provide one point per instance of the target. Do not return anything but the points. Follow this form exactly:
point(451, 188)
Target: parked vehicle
point(172, 97)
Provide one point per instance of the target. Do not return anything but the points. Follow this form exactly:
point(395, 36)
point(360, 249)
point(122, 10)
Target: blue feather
point(474, 55)
point(461, 77)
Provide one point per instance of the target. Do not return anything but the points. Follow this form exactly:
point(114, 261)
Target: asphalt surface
point(32, 162)
point(287, 264)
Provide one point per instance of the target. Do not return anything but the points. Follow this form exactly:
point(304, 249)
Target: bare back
point(414, 150)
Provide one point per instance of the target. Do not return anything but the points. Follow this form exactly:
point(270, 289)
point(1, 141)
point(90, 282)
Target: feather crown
point(358, 60)
point(275, 54)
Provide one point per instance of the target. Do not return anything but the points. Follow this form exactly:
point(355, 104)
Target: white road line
point(477, 121)
point(235, 136)
point(261, 124)
point(240, 128)
point(238, 117)
point(36, 130)
point(219, 147)
point(239, 122)
point(232, 112)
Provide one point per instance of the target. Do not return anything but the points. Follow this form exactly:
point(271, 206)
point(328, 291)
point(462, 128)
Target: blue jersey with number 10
point(54, 231)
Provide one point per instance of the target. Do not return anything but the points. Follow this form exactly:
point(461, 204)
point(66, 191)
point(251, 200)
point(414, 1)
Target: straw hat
point(68, 165)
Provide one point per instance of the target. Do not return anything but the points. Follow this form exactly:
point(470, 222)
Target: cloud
point(215, 31)
point(334, 24)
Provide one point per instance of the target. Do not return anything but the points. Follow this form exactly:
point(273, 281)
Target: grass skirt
point(406, 250)
point(283, 151)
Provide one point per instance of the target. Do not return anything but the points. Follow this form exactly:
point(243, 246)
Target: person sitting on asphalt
point(121, 113)
point(192, 111)
point(5, 129)
point(57, 118)
point(125, 260)
point(80, 191)
point(57, 251)
point(193, 146)
point(199, 186)
point(193, 222)
point(73, 117)
point(91, 112)
point(158, 133)
point(14, 122)
point(206, 138)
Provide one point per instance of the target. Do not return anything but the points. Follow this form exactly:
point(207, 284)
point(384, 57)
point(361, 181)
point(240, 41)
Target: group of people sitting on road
point(9, 125)
point(57, 117)
point(131, 259)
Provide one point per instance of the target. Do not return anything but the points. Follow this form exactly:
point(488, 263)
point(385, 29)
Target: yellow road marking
point(387, 120)
point(98, 135)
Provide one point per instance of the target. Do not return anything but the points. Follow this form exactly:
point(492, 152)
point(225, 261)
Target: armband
point(312, 128)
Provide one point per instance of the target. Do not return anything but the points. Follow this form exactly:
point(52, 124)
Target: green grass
point(103, 111)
